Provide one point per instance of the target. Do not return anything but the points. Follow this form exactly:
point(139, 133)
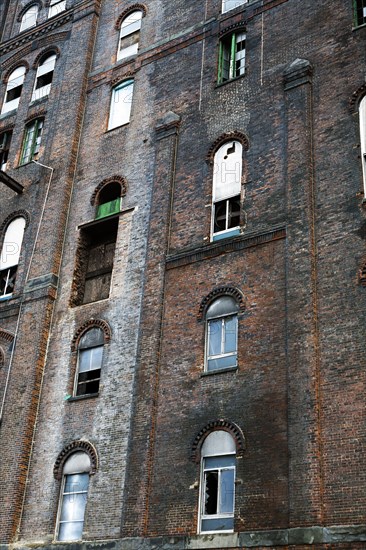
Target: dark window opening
point(32, 141)
point(5, 140)
point(109, 200)
point(14, 93)
point(44, 80)
point(7, 281)
point(231, 57)
point(212, 479)
point(227, 214)
point(360, 12)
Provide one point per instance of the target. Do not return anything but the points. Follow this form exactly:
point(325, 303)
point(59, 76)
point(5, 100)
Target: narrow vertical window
point(121, 102)
point(5, 140)
point(231, 57)
point(109, 200)
point(228, 5)
point(29, 18)
point(226, 191)
point(10, 254)
point(56, 7)
point(44, 76)
point(90, 357)
point(73, 497)
point(129, 35)
point(362, 117)
point(32, 141)
point(221, 334)
point(360, 12)
point(13, 90)
point(217, 483)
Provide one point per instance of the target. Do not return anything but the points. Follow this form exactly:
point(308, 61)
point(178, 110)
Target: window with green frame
point(32, 141)
point(359, 7)
point(231, 56)
point(109, 200)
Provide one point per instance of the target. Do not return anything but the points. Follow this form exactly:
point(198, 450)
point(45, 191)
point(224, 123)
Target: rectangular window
point(360, 12)
point(226, 218)
point(228, 5)
point(32, 141)
point(89, 369)
point(5, 140)
point(121, 102)
point(56, 7)
point(7, 281)
point(72, 507)
point(231, 57)
point(222, 343)
point(217, 494)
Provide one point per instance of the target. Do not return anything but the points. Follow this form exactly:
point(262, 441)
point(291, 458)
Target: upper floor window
point(10, 254)
point(5, 139)
point(90, 357)
point(362, 117)
point(226, 191)
point(221, 334)
point(217, 494)
point(73, 497)
point(121, 102)
point(228, 5)
point(13, 90)
point(360, 12)
point(109, 200)
point(29, 18)
point(32, 141)
point(56, 6)
point(129, 35)
point(231, 56)
point(44, 76)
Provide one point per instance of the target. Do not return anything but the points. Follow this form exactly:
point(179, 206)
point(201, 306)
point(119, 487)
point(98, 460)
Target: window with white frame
point(217, 488)
point(231, 56)
point(73, 497)
point(228, 5)
point(128, 43)
point(10, 254)
point(362, 117)
point(226, 191)
point(13, 90)
point(29, 18)
point(32, 141)
point(90, 357)
point(44, 76)
point(121, 102)
point(5, 140)
point(221, 334)
point(56, 7)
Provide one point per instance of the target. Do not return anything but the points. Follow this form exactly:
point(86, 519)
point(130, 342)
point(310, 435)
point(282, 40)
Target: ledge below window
point(218, 371)
point(80, 397)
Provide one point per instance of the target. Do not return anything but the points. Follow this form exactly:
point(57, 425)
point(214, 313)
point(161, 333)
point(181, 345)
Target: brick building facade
point(183, 272)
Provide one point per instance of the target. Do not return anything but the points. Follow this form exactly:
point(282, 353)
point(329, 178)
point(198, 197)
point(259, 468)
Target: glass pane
point(76, 483)
point(73, 507)
point(214, 337)
point(217, 524)
point(221, 461)
point(227, 491)
point(230, 334)
point(84, 360)
point(71, 531)
point(211, 493)
point(121, 102)
point(222, 306)
point(96, 357)
point(222, 362)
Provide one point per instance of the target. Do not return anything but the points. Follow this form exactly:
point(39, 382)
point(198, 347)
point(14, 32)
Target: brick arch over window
point(224, 425)
point(73, 447)
point(356, 97)
point(26, 8)
point(91, 323)
point(127, 11)
point(17, 214)
point(241, 26)
point(6, 336)
point(51, 50)
point(12, 68)
point(216, 293)
point(118, 179)
point(228, 136)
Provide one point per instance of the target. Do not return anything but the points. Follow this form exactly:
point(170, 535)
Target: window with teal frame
point(32, 141)
point(109, 200)
point(231, 57)
point(359, 7)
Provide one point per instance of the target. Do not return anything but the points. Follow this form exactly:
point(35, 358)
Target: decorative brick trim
point(6, 336)
point(127, 11)
point(215, 425)
point(356, 97)
point(17, 214)
point(220, 291)
point(26, 8)
point(228, 136)
point(118, 179)
point(91, 323)
point(39, 113)
point(72, 448)
point(362, 275)
point(232, 28)
point(130, 75)
point(12, 68)
point(49, 50)
point(7, 127)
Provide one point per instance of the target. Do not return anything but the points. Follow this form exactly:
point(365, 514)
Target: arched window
point(226, 190)
point(362, 117)
point(228, 5)
point(29, 18)
point(13, 90)
point(73, 497)
point(221, 334)
point(9, 258)
point(44, 76)
point(129, 35)
point(89, 363)
point(217, 494)
point(121, 102)
point(109, 200)
point(56, 7)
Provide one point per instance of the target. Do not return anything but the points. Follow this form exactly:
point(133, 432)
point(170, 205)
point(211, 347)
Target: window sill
point(38, 100)
point(81, 397)
point(6, 297)
point(8, 114)
point(359, 27)
point(219, 84)
point(116, 127)
point(218, 371)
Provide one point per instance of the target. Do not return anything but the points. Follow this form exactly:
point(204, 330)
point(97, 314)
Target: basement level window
point(359, 7)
